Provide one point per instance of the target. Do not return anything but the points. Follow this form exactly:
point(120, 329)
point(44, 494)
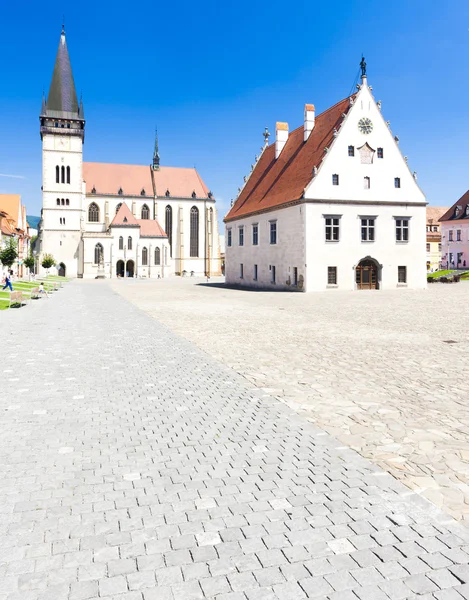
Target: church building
point(114, 220)
point(330, 205)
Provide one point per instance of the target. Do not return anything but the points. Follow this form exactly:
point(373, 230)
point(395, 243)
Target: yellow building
point(434, 237)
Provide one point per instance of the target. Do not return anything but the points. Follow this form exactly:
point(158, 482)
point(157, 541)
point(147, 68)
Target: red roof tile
point(463, 214)
point(124, 217)
point(151, 228)
point(148, 227)
point(276, 182)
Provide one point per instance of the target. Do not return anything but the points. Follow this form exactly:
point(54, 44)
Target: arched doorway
point(130, 268)
point(120, 268)
point(367, 274)
point(62, 270)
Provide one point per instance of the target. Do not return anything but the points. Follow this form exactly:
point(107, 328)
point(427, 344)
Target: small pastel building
point(433, 246)
point(455, 235)
point(331, 205)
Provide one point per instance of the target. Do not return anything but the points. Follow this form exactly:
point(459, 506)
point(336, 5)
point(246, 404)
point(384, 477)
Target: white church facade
point(114, 220)
point(331, 205)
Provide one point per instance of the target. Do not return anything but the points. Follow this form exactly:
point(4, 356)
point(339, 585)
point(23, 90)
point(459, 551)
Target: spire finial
point(156, 154)
point(266, 135)
point(63, 24)
point(363, 66)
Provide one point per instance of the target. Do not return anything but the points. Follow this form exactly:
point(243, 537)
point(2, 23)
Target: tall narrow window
point(458, 235)
point(241, 271)
point(98, 254)
point(145, 212)
point(351, 150)
point(67, 202)
point(228, 233)
point(194, 242)
point(118, 206)
point(450, 236)
point(397, 182)
point(332, 229)
point(255, 234)
point(331, 275)
point(335, 179)
point(121, 243)
point(255, 272)
point(62, 202)
point(402, 230)
point(68, 174)
point(57, 174)
point(129, 243)
point(168, 227)
point(366, 183)
point(428, 247)
point(62, 172)
point(368, 229)
point(157, 256)
point(241, 236)
point(58, 201)
point(401, 274)
point(273, 232)
point(144, 256)
point(380, 153)
point(272, 274)
point(93, 213)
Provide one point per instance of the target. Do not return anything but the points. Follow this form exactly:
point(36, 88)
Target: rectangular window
point(228, 234)
point(366, 183)
point(380, 153)
point(331, 275)
point(255, 234)
point(332, 229)
point(241, 236)
point(295, 276)
point(451, 258)
point(458, 235)
point(401, 274)
point(255, 272)
point(273, 232)
point(335, 179)
point(241, 271)
point(351, 150)
point(450, 236)
point(460, 258)
point(272, 274)
point(368, 229)
point(397, 182)
point(439, 247)
point(402, 230)
point(428, 247)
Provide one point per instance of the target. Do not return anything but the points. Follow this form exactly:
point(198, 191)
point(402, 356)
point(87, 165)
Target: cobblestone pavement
point(374, 369)
point(133, 466)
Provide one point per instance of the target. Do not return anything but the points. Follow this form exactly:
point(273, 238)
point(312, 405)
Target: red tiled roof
point(148, 227)
point(124, 217)
point(276, 182)
point(151, 228)
point(463, 215)
point(108, 178)
point(434, 213)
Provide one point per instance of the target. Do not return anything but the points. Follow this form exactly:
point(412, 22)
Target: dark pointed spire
point(62, 93)
point(44, 105)
point(156, 155)
point(81, 109)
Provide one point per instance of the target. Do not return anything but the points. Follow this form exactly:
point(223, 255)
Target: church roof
point(275, 182)
point(62, 93)
point(151, 228)
point(124, 217)
point(108, 178)
point(459, 211)
point(148, 227)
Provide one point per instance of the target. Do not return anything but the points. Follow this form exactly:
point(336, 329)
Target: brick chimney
point(281, 137)
point(310, 112)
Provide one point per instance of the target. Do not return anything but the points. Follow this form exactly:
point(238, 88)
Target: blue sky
point(212, 75)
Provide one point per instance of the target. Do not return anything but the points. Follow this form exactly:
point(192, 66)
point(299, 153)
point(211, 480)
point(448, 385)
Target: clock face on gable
point(365, 125)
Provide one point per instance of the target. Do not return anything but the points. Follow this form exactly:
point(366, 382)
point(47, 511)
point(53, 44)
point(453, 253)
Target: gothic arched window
point(57, 174)
point(98, 254)
point(58, 201)
point(67, 202)
point(145, 212)
point(194, 244)
point(62, 202)
point(168, 227)
point(129, 243)
point(144, 256)
point(93, 213)
point(157, 256)
point(121, 243)
point(68, 174)
point(118, 206)
point(63, 174)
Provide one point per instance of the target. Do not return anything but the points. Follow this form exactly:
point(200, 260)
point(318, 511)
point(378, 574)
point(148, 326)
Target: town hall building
point(114, 220)
point(330, 205)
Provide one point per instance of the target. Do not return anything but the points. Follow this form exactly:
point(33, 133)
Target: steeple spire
point(156, 155)
point(62, 93)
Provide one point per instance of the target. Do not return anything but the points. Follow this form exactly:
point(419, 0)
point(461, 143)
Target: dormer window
point(143, 193)
point(120, 192)
point(457, 210)
point(93, 191)
point(351, 150)
point(210, 195)
point(467, 210)
point(380, 153)
point(125, 220)
point(194, 195)
point(167, 193)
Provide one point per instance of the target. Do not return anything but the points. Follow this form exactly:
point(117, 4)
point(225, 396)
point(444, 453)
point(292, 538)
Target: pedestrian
point(42, 290)
point(8, 282)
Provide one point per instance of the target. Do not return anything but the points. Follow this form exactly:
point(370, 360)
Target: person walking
point(8, 282)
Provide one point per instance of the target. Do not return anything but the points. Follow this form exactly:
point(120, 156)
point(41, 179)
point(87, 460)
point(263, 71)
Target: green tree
point(29, 261)
point(48, 261)
point(9, 253)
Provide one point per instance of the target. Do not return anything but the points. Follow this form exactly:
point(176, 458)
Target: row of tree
point(9, 253)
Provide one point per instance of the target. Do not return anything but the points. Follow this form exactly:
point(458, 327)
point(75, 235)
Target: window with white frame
point(450, 236)
point(228, 236)
point(458, 235)
point(273, 232)
point(241, 236)
point(402, 230)
point(255, 234)
point(368, 229)
point(332, 228)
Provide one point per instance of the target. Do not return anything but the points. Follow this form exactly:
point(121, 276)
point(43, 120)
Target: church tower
point(62, 133)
